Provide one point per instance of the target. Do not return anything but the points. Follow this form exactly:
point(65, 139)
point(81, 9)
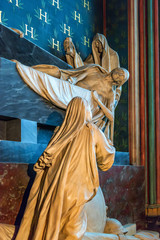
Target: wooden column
point(143, 92)
point(104, 18)
point(149, 96)
point(142, 81)
point(157, 96)
point(151, 104)
point(133, 50)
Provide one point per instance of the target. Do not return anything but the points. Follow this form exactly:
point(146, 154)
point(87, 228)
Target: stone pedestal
point(119, 186)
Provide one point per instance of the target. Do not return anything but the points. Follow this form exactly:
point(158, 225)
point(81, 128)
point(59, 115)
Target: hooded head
point(100, 41)
point(103, 55)
point(69, 47)
point(72, 57)
point(78, 113)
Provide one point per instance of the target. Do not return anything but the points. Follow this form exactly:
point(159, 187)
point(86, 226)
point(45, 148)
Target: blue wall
point(51, 21)
point(49, 27)
point(117, 36)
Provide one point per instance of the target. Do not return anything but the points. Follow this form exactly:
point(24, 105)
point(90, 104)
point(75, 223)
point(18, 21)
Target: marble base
point(15, 184)
point(121, 158)
point(124, 192)
point(123, 189)
point(29, 152)
point(19, 101)
point(18, 152)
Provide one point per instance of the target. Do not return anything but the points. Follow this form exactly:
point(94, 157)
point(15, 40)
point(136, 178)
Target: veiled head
point(100, 42)
point(69, 47)
point(79, 110)
point(75, 119)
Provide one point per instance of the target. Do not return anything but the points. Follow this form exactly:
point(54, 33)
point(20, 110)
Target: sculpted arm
point(18, 31)
point(105, 151)
point(106, 111)
point(118, 95)
point(44, 159)
point(116, 64)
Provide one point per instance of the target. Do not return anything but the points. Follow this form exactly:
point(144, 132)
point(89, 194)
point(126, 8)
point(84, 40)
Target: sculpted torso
point(91, 77)
point(103, 86)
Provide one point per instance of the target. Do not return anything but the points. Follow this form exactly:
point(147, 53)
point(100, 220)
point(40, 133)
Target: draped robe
point(55, 206)
point(109, 59)
point(50, 83)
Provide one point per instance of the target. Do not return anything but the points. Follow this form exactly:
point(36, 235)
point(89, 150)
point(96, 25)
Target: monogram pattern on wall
point(48, 22)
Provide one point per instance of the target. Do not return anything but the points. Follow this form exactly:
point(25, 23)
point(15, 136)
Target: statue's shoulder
point(113, 52)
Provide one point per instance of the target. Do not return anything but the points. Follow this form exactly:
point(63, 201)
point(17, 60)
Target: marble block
point(2, 129)
point(124, 192)
point(44, 133)
point(119, 186)
point(26, 52)
point(18, 130)
point(30, 148)
point(15, 185)
point(121, 158)
point(19, 101)
point(13, 130)
point(20, 152)
point(28, 131)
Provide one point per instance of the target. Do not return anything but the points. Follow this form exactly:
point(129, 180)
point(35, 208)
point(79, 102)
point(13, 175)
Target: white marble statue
point(72, 57)
point(67, 178)
point(43, 79)
point(102, 55)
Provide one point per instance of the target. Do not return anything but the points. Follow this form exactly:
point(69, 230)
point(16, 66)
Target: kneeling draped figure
point(66, 178)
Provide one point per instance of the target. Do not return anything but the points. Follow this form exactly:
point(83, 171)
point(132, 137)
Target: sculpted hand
point(21, 34)
point(14, 60)
point(95, 96)
point(72, 80)
point(111, 118)
point(106, 111)
point(115, 104)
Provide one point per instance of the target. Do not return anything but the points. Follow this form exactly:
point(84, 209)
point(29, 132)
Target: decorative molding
point(133, 50)
point(152, 210)
point(157, 95)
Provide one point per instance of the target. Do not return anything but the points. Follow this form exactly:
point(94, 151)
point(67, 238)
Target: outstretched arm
point(105, 151)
